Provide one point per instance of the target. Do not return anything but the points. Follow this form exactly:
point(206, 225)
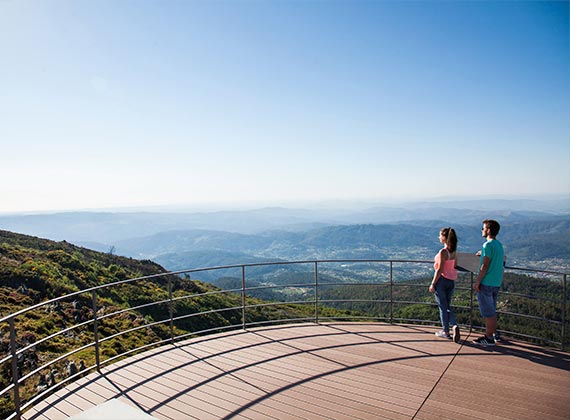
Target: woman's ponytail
point(450, 238)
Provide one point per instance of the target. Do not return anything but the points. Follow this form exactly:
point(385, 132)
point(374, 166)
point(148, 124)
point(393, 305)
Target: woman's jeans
point(443, 293)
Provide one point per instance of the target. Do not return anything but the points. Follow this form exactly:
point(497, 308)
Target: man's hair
point(493, 226)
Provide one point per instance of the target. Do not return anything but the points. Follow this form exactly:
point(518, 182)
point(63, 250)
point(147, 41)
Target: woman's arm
point(440, 260)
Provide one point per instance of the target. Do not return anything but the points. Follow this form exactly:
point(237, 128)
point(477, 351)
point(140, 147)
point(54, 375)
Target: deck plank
point(327, 371)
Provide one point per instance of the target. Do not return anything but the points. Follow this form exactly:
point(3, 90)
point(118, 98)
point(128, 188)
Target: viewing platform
point(336, 370)
point(326, 351)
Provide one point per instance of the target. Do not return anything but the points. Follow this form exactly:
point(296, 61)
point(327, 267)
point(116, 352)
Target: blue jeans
point(443, 294)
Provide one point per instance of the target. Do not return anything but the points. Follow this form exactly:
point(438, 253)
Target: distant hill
point(207, 258)
point(534, 231)
point(526, 242)
point(108, 227)
point(104, 229)
point(191, 240)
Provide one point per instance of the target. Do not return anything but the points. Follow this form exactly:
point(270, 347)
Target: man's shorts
point(487, 298)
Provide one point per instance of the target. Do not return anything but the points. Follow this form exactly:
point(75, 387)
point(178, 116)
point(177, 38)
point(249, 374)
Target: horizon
point(141, 104)
point(497, 201)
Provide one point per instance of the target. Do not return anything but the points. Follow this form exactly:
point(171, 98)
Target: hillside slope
point(34, 270)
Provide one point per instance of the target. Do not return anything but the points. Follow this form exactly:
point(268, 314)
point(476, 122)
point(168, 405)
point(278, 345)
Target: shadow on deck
point(323, 371)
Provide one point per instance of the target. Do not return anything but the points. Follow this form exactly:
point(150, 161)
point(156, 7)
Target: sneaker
point(497, 336)
point(456, 334)
point(442, 334)
point(484, 341)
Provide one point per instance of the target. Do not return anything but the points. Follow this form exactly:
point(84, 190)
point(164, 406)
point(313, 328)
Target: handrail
point(18, 377)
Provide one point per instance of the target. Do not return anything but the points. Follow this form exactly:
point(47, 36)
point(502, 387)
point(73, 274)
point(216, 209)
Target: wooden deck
point(328, 371)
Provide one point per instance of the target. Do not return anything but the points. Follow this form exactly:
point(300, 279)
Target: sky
point(109, 104)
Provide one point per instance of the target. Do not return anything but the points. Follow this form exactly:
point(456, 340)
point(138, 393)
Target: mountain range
point(533, 232)
point(107, 227)
point(524, 242)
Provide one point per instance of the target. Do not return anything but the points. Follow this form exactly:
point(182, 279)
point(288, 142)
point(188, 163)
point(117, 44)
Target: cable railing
point(311, 293)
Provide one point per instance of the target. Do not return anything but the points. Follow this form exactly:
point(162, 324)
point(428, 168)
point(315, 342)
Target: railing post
point(316, 293)
point(96, 330)
point(563, 312)
point(170, 310)
point(391, 293)
point(15, 376)
point(243, 296)
point(471, 309)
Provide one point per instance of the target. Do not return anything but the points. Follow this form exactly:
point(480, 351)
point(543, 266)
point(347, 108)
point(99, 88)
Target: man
point(489, 280)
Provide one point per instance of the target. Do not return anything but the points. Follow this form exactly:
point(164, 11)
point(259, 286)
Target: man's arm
point(482, 272)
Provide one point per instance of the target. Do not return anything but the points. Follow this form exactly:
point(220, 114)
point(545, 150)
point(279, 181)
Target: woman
point(443, 283)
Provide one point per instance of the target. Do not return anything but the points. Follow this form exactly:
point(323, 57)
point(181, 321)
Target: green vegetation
point(34, 270)
point(546, 302)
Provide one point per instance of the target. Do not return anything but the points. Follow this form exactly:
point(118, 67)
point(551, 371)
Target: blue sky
point(130, 103)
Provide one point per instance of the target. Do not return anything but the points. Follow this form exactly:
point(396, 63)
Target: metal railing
point(314, 296)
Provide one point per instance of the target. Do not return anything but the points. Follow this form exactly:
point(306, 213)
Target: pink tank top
point(448, 271)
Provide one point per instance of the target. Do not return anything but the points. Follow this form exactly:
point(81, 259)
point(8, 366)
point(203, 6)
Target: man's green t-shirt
point(494, 250)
